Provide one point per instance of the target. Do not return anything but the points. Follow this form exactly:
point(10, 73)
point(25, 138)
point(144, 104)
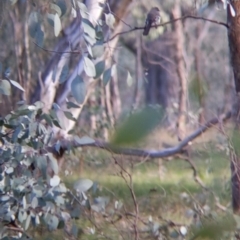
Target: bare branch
point(129, 182)
point(163, 24)
point(52, 51)
point(145, 153)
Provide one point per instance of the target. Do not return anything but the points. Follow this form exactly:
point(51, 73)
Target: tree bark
point(139, 73)
point(235, 170)
point(234, 47)
point(199, 79)
point(234, 40)
point(181, 71)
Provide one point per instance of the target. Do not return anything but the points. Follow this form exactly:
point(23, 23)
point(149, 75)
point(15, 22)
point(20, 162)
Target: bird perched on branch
point(153, 19)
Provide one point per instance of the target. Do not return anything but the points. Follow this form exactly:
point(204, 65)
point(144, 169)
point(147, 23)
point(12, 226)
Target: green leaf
point(56, 8)
point(42, 165)
point(37, 220)
point(72, 105)
point(55, 119)
point(98, 50)
point(129, 79)
point(22, 215)
point(41, 129)
point(78, 89)
point(39, 105)
point(39, 37)
point(83, 9)
point(69, 115)
point(65, 216)
point(110, 20)
point(89, 39)
point(47, 118)
point(107, 76)
point(50, 18)
point(32, 128)
point(137, 126)
point(100, 203)
point(27, 222)
point(34, 28)
point(4, 198)
point(64, 74)
point(57, 123)
point(16, 133)
point(54, 181)
point(82, 185)
point(53, 223)
point(99, 34)
point(100, 66)
point(88, 28)
point(57, 25)
point(17, 85)
point(89, 50)
point(5, 87)
point(53, 163)
point(62, 5)
point(34, 202)
point(33, 24)
point(89, 67)
point(9, 170)
point(84, 140)
point(55, 106)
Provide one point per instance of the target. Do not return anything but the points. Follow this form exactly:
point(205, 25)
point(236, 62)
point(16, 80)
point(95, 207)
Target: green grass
point(160, 195)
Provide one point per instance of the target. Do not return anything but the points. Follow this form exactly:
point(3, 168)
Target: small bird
point(153, 18)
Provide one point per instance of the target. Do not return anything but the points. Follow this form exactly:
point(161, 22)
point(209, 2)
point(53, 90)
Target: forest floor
point(165, 191)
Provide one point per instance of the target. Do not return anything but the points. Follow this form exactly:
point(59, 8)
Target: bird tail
point(146, 29)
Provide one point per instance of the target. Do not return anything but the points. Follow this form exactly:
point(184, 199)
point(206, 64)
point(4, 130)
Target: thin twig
point(130, 187)
point(163, 24)
point(52, 51)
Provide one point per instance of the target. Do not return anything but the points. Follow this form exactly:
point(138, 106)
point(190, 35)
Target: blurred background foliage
point(103, 195)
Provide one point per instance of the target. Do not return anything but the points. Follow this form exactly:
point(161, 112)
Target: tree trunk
point(181, 71)
point(234, 40)
point(139, 73)
point(235, 170)
point(199, 78)
point(161, 83)
point(111, 103)
point(234, 46)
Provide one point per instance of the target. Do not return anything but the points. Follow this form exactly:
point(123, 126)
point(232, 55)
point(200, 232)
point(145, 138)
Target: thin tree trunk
point(235, 170)
point(28, 72)
point(197, 59)
point(139, 73)
point(181, 71)
point(112, 95)
point(116, 100)
point(18, 36)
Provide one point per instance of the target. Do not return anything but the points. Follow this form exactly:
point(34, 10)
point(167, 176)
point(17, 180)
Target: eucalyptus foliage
point(31, 190)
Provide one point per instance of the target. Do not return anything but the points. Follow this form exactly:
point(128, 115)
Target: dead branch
point(65, 144)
